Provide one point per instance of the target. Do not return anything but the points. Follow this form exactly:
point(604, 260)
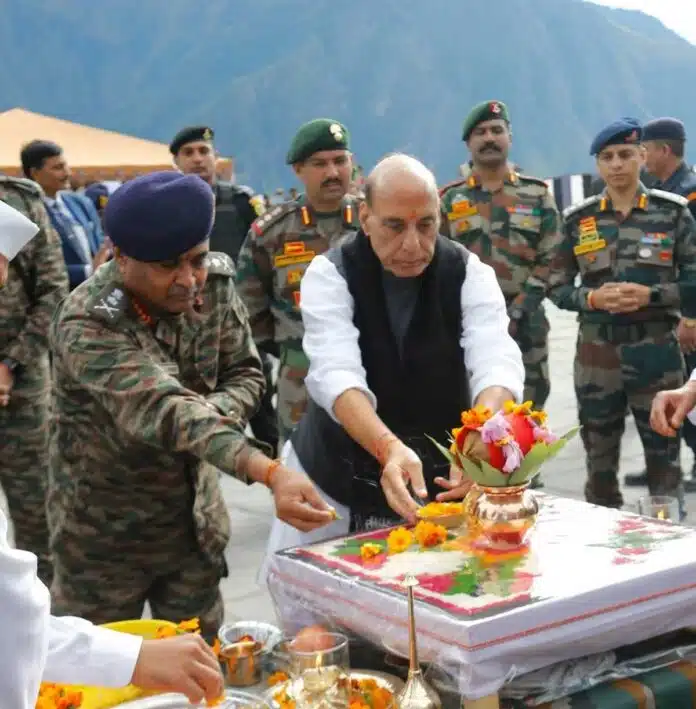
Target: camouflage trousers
point(618, 366)
point(178, 585)
point(24, 426)
point(533, 341)
point(292, 394)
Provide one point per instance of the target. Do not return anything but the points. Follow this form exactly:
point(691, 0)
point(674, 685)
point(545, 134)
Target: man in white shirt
point(36, 646)
point(404, 329)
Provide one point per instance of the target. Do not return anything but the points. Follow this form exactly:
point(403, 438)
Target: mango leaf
point(447, 453)
point(537, 456)
point(471, 469)
point(494, 477)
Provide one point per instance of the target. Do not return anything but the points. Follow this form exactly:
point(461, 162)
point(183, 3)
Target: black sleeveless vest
point(420, 391)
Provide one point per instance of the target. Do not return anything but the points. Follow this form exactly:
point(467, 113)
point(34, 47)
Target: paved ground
point(251, 509)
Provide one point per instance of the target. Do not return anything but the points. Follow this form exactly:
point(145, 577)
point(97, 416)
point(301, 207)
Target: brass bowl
point(448, 520)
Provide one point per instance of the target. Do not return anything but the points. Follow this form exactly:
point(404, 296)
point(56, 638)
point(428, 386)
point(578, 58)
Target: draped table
point(593, 579)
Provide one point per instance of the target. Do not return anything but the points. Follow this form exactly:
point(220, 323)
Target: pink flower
point(542, 434)
point(513, 456)
point(496, 429)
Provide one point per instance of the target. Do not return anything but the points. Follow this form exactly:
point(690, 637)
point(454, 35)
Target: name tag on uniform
point(588, 246)
point(293, 252)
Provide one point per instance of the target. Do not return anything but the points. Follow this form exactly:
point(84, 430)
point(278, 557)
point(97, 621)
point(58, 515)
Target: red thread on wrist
point(270, 471)
point(382, 446)
point(590, 300)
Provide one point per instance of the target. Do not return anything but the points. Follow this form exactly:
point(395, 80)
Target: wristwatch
point(10, 363)
point(688, 322)
point(516, 314)
point(655, 295)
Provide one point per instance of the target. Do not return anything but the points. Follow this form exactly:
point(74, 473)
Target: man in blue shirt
point(73, 215)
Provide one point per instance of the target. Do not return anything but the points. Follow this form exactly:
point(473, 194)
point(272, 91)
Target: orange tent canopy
point(92, 153)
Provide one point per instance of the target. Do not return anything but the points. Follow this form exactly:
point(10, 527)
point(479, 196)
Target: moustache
point(490, 146)
point(330, 181)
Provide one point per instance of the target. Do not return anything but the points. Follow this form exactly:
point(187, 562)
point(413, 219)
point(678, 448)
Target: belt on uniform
point(626, 333)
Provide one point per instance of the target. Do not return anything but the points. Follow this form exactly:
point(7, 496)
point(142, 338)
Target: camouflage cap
point(159, 216)
point(485, 111)
point(190, 134)
point(319, 134)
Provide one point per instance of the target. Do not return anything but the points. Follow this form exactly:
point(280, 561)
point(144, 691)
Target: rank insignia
point(294, 276)
point(586, 247)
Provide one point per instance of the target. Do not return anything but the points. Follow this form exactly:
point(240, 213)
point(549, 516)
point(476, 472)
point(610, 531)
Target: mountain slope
point(400, 73)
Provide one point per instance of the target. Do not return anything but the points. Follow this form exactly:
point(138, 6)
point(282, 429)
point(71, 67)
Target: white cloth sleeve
point(37, 647)
point(330, 337)
point(16, 231)
point(492, 357)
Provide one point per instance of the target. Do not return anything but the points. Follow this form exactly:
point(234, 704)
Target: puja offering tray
point(234, 699)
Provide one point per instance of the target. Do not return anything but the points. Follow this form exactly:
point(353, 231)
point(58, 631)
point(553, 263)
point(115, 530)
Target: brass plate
point(391, 682)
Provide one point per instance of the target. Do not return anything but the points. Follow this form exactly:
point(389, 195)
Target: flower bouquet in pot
point(501, 452)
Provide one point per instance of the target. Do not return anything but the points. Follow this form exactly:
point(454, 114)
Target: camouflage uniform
point(145, 416)
point(275, 255)
point(37, 282)
point(625, 359)
point(515, 231)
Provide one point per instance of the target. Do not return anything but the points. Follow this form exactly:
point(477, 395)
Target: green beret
point(485, 111)
point(319, 134)
point(189, 135)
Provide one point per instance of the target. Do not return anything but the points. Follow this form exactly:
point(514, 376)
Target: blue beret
point(625, 131)
point(159, 216)
point(98, 194)
point(664, 129)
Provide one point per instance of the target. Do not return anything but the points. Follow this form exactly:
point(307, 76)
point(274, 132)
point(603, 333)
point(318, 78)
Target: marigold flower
point(476, 417)
point(399, 540)
point(429, 535)
point(369, 550)
point(277, 678)
point(190, 626)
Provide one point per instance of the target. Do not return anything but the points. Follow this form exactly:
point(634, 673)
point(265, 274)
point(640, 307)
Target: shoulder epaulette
point(669, 197)
point(245, 189)
point(272, 216)
point(454, 183)
point(535, 180)
point(575, 208)
point(220, 264)
point(22, 183)
point(109, 304)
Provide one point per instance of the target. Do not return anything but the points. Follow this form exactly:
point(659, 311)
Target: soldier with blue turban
point(155, 377)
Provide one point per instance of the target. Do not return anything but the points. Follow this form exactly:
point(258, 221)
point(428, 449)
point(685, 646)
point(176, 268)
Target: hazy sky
point(678, 15)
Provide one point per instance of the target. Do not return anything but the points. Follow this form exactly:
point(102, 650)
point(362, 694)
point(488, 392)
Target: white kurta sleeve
point(16, 231)
point(37, 647)
point(692, 414)
point(82, 653)
point(24, 618)
point(330, 337)
point(492, 357)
